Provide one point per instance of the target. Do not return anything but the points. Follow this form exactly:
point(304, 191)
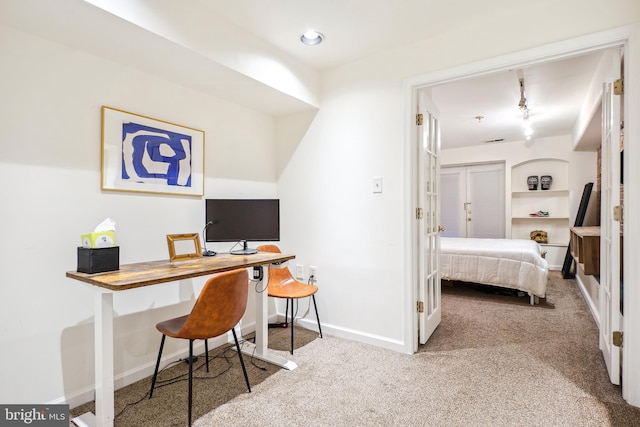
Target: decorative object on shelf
point(543, 214)
point(532, 182)
point(545, 182)
point(539, 236)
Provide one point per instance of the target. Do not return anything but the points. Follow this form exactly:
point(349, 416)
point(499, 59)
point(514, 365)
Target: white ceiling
point(554, 91)
point(357, 28)
point(353, 29)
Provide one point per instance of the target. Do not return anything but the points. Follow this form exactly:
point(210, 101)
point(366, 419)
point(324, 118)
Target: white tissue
point(106, 225)
point(103, 236)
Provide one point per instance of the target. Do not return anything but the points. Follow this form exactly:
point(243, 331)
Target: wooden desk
point(144, 274)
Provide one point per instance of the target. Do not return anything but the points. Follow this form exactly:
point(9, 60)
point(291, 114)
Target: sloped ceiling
point(248, 52)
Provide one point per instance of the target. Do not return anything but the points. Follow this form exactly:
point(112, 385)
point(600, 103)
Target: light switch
point(377, 184)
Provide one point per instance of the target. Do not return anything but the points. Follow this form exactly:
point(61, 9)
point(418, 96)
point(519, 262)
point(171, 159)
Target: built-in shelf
point(540, 192)
point(555, 201)
point(538, 218)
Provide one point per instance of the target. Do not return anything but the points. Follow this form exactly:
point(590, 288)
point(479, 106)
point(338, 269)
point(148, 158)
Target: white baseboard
point(87, 394)
point(587, 298)
point(359, 336)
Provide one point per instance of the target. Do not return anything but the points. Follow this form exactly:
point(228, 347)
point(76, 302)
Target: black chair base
point(192, 359)
point(286, 317)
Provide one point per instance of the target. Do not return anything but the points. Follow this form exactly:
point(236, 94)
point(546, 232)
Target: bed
point(508, 263)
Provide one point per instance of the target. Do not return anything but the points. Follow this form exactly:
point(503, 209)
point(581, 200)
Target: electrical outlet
point(300, 271)
point(313, 271)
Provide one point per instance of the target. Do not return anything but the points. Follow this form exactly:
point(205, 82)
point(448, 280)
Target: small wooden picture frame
point(184, 246)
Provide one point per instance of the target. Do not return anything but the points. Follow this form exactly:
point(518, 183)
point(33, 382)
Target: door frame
point(627, 37)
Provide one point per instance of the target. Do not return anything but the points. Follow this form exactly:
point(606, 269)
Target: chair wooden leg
point(244, 370)
point(155, 373)
point(206, 351)
point(292, 321)
point(317, 317)
point(190, 378)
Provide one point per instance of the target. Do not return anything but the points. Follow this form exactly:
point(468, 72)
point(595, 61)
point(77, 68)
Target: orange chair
point(219, 307)
point(283, 285)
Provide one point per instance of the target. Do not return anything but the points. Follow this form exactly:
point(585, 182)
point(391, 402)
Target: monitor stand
point(245, 250)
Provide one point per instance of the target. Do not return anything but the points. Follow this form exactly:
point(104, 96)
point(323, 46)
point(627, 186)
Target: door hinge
point(617, 338)
point(419, 213)
point(419, 119)
point(420, 307)
point(617, 213)
point(618, 87)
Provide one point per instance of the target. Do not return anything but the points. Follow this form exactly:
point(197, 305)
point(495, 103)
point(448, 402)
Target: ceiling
point(353, 29)
point(555, 92)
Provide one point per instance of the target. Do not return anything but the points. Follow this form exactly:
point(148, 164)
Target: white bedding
point(510, 263)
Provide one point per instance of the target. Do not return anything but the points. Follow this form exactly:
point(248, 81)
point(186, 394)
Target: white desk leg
point(104, 359)
point(103, 342)
point(259, 350)
point(262, 319)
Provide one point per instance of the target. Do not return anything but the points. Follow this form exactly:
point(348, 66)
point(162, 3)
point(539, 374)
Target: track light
point(523, 97)
point(526, 124)
point(522, 104)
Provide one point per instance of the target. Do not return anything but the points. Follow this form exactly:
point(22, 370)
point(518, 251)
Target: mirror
point(184, 246)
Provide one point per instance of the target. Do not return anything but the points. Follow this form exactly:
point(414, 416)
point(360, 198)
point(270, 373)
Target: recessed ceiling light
point(311, 38)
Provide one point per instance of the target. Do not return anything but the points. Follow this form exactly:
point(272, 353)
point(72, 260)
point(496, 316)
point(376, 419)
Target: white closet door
point(453, 196)
point(485, 192)
point(472, 200)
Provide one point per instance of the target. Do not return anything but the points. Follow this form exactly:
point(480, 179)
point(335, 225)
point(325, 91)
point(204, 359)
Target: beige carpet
point(224, 382)
point(493, 361)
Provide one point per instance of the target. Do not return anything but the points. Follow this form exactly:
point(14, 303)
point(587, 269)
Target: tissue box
point(99, 239)
point(98, 260)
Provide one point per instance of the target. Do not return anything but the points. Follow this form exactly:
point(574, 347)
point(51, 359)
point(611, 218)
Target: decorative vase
point(532, 182)
point(545, 182)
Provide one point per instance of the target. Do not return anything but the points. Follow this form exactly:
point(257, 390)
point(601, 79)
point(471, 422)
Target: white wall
point(50, 170)
point(334, 220)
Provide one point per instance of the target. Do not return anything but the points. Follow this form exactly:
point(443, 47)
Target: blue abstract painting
point(151, 155)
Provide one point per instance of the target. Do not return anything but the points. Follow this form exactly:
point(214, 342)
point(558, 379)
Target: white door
point(472, 201)
point(453, 201)
point(428, 218)
point(485, 213)
point(610, 228)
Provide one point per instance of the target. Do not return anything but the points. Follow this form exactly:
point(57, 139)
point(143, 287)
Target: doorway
point(627, 37)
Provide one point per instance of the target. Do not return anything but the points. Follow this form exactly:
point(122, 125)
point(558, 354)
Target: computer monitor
point(242, 220)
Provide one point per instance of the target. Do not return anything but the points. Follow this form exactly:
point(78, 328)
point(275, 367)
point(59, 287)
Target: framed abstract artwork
point(141, 154)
